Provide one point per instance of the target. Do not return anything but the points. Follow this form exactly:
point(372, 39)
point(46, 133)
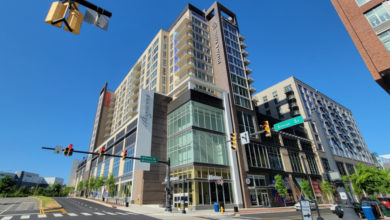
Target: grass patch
point(47, 202)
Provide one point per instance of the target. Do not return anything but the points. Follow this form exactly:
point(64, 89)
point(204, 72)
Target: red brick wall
point(374, 54)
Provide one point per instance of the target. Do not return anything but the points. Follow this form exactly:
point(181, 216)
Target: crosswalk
point(58, 215)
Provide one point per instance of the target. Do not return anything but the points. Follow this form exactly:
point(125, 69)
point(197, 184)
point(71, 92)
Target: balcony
point(252, 89)
point(241, 37)
point(244, 53)
point(184, 48)
point(184, 57)
point(243, 45)
point(184, 68)
point(248, 70)
point(184, 25)
point(133, 104)
point(183, 39)
point(250, 79)
point(246, 61)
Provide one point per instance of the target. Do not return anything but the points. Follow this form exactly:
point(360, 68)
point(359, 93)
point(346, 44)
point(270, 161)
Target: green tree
point(56, 189)
point(280, 186)
point(111, 185)
point(306, 189)
point(80, 186)
point(371, 180)
point(327, 189)
point(66, 190)
point(7, 185)
point(99, 182)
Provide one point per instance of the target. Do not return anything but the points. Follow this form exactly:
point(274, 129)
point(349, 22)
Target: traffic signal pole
point(168, 206)
point(349, 212)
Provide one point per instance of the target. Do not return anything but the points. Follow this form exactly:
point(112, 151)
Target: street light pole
point(314, 196)
point(349, 212)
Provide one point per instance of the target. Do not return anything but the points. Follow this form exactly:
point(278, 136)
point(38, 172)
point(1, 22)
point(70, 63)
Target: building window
point(385, 38)
point(312, 164)
point(377, 16)
point(325, 164)
point(288, 88)
point(350, 168)
point(295, 162)
point(265, 99)
point(341, 169)
point(245, 122)
point(361, 2)
point(275, 96)
point(263, 156)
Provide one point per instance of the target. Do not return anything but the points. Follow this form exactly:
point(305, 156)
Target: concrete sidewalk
point(160, 213)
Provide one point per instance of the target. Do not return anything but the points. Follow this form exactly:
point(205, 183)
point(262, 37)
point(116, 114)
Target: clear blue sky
point(50, 79)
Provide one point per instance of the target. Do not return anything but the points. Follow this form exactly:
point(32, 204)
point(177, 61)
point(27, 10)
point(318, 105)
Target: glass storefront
point(202, 186)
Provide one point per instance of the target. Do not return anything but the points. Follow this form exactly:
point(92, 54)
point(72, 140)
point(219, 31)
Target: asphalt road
point(75, 209)
point(18, 206)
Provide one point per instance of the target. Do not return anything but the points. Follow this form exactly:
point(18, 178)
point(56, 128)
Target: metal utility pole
point(349, 212)
point(314, 196)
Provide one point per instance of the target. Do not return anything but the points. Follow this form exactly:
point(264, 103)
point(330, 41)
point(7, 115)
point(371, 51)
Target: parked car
point(333, 207)
point(385, 202)
point(298, 205)
point(339, 211)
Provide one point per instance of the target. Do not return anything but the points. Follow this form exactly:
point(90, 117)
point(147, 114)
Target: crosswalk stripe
point(6, 218)
point(24, 217)
point(98, 213)
point(42, 216)
point(86, 214)
point(57, 215)
point(121, 213)
point(72, 214)
point(110, 213)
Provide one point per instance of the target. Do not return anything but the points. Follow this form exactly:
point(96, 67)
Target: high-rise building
point(292, 97)
point(182, 99)
point(368, 24)
point(72, 174)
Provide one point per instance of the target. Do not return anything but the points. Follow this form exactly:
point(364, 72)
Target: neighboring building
point(384, 161)
point(52, 180)
point(28, 179)
point(12, 175)
point(368, 23)
point(291, 98)
point(72, 174)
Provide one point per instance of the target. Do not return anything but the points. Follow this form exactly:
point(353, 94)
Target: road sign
point(57, 150)
point(306, 210)
point(147, 159)
point(244, 136)
point(288, 123)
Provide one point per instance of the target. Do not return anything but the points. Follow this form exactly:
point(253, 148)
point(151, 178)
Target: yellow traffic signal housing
point(233, 140)
point(56, 12)
point(75, 19)
point(267, 129)
point(66, 151)
point(101, 151)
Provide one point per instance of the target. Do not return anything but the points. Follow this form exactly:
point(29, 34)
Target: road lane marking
point(98, 213)
point(110, 213)
point(121, 213)
point(90, 207)
point(6, 209)
point(42, 216)
point(72, 214)
point(24, 217)
point(86, 214)
point(57, 215)
point(7, 218)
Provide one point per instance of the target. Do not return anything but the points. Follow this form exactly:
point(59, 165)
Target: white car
point(297, 206)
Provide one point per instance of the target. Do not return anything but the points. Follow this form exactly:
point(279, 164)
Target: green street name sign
point(288, 123)
point(147, 159)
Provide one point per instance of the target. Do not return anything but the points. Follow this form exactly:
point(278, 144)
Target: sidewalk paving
point(159, 212)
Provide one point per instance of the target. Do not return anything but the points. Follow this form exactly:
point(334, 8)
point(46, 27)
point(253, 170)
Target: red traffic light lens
point(70, 146)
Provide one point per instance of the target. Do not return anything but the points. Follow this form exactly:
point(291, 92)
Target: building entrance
point(259, 197)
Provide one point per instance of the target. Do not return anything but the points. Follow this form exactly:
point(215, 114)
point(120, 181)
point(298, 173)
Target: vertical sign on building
point(144, 129)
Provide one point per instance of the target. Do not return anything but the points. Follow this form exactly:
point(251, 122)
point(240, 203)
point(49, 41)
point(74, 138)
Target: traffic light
point(124, 154)
point(233, 140)
point(75, 19)
point(101, 151)
point(267, 129)
point(56, 12)
point(70, 151)
point(66, 151)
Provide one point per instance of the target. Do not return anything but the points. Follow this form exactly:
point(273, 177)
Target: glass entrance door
point(252, 192)
point(265, 199)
